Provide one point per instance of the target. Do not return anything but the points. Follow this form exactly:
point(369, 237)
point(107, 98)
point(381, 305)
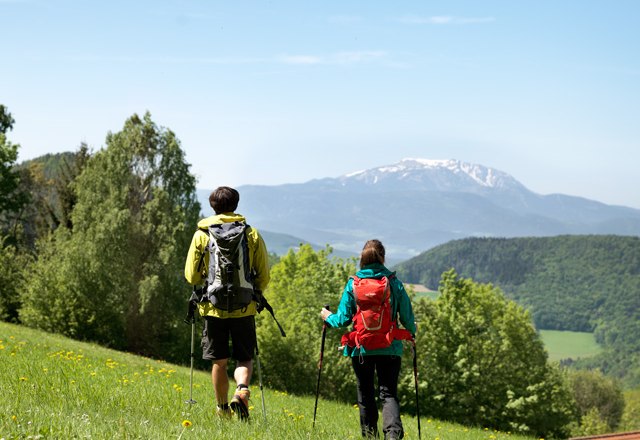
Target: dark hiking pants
point(388, 369)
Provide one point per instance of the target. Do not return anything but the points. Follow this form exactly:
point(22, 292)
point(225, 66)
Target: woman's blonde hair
point(372, 252)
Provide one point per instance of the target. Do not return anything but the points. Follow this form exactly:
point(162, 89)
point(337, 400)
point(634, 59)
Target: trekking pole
point(273, 315)
point(415, 378)
point(193, 334)
point(262, 303)
point(264, 411)
point(324, 336)
point(191, 319)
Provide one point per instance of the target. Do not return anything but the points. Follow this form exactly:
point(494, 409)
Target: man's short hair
point(224, 199)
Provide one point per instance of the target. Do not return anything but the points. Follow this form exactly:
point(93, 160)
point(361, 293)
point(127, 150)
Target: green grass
point(56, 388)
point(420, 291)
point(566, 344)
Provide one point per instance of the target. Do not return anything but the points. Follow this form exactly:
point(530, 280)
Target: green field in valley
point(559, 344)
point(567, 344)
point(421, 291)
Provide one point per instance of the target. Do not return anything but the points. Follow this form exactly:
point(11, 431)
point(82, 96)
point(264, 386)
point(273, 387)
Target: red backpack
point(374, 326)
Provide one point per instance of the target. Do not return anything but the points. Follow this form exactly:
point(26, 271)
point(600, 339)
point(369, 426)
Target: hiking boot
point(240, 403)
point(224, 411)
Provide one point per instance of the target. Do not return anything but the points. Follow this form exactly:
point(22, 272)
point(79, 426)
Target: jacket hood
point(226, 217)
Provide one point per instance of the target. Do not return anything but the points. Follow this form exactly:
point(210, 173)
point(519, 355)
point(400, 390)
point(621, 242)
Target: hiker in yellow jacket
point(222, 319)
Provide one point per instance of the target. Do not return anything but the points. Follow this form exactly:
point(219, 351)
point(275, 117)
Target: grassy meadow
point(420, 291)
point(566, 344)
point(57, 388)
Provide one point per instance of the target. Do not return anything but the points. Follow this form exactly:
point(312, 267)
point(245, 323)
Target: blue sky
point(271, 92)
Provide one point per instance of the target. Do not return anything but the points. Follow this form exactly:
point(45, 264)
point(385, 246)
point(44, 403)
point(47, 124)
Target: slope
point(55, 387)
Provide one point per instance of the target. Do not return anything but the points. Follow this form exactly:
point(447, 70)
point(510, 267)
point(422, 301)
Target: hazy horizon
point(287, 92)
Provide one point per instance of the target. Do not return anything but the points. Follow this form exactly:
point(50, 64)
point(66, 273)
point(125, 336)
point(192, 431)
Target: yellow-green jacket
point(197, 264)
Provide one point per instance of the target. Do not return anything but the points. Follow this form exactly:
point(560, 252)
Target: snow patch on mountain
point(440, 173)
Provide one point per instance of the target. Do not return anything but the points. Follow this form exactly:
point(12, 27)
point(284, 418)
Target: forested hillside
point(580, 283)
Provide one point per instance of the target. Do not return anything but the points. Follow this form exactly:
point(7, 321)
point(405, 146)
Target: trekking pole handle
point(327, 307)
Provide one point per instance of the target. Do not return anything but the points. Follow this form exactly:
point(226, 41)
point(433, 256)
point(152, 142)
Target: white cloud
point(160, 59)
point(300, 59)
point(335, 58)
point(345, 19)
point(444, 19)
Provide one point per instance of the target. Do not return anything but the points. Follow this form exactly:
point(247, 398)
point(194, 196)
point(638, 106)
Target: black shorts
point(215, 338)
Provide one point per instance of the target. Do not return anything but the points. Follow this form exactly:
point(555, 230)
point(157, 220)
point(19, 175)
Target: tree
point(597, 397)
point(50, 181)
point(12, 280)
point(116, 277)
point(12, 200)
point(6, 120)
point(482, 362)
point(631, 417)
point(301, 283)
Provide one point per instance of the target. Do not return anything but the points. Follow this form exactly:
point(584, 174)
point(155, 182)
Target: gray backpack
point(229, 279)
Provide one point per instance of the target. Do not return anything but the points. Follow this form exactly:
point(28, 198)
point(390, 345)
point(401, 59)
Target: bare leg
point(243, 372)
point(220, 381)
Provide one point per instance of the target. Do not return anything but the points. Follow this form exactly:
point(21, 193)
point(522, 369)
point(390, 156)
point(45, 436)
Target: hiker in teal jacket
point(386, 361)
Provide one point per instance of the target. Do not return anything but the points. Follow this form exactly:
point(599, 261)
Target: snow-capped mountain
point(427, 174)
point(416, 204)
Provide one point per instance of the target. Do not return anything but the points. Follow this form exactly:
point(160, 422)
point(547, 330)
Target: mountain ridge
point(416, 204)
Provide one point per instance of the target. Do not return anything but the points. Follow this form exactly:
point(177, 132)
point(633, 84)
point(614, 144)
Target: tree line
point(581, 283)
point(93, 247)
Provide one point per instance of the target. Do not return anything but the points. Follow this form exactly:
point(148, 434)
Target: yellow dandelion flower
point(23, 379)
point(14, 418)
point(186, 423)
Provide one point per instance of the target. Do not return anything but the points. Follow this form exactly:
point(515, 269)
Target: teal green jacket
point(400, 307)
